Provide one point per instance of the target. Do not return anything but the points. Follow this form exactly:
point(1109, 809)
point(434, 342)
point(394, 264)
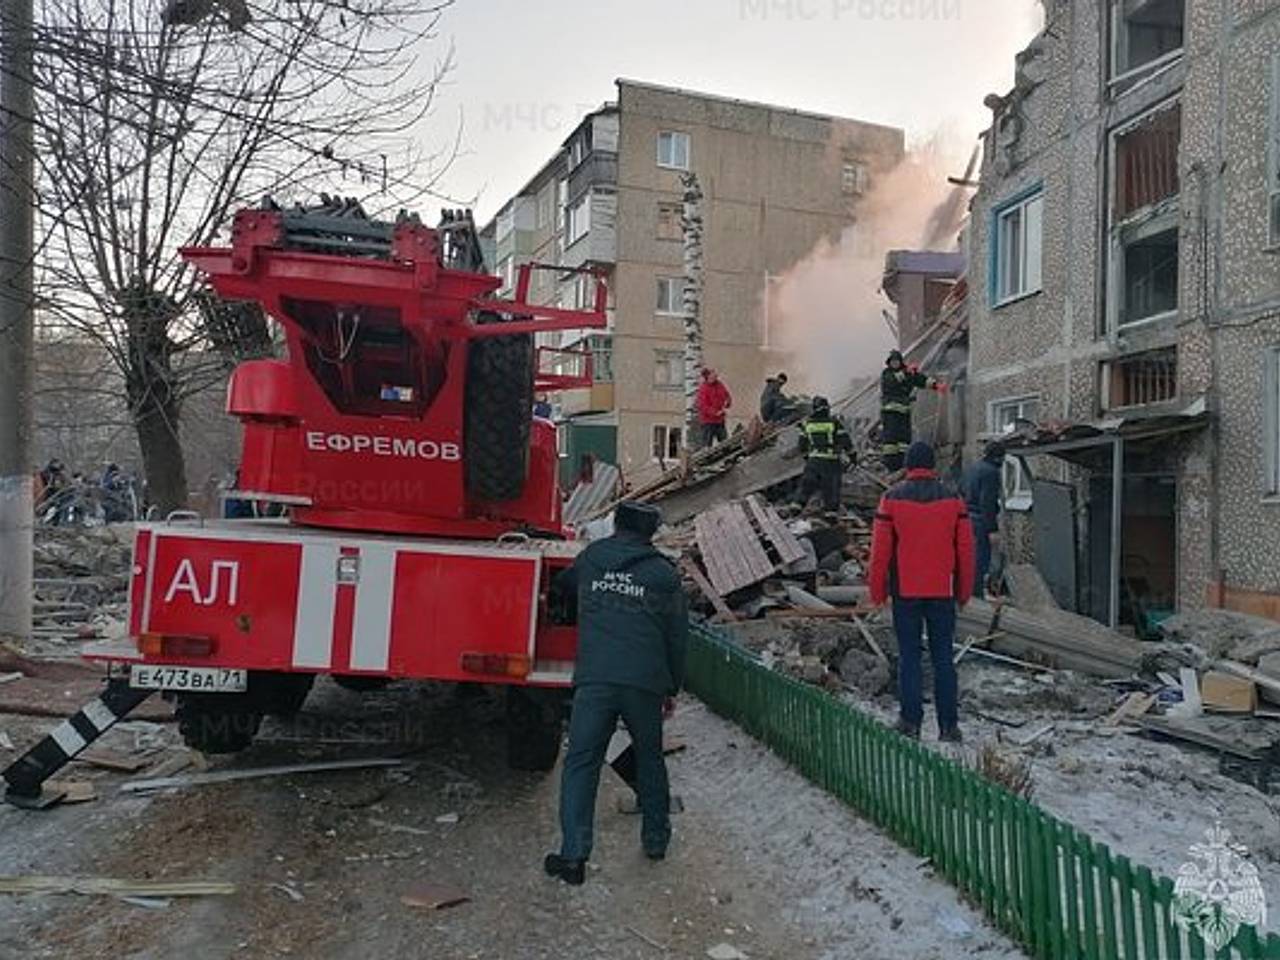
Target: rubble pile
point(81, 581)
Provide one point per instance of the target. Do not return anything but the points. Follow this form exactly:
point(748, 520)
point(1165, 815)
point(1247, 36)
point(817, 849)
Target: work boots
point(572, 872)
point(950, 735)
point(907, 729)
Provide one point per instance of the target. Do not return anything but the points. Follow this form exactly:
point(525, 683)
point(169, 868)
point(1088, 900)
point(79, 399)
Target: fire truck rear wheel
point(499, 403)
point(216, 722)
point(535, 727)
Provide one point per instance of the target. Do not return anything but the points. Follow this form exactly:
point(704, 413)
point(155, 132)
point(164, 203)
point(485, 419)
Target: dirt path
point(761, 860)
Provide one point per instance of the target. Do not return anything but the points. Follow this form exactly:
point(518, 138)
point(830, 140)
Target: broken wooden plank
point(1134, 705)
point(868, 636)
point(1013, 661)
point(975, 641)
point(1226, 693)
point(786, 543)
point(254, 773)
point(835, 613)
point(114, 887)
point(708, 591)
point(434, 896)
point(112, 760)
point(73, 791)
point(1181, 731)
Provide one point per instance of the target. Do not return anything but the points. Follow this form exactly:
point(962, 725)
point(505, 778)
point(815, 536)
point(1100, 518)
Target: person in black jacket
point(898, 386)
point(632, 634)
point(775, 406)
point(983, 482)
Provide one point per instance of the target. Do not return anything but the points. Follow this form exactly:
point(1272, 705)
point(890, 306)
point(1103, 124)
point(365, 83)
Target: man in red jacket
point(713, 403)
point(922, 555)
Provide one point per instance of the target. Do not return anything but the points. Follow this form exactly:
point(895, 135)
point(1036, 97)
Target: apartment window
point(506, 270)
point(577, 151)
point(670, 296)
point(673, 150)
point(853, 178)
point(1273, 158)
point(1144, 217)
point(1003, 417)
point(669, 217)
point(1271, 422)
point(546, 203)
point(601, 358)
point(666, 442)
point(1145, 33)
point(1017, 248)
point(1140, 379)
point(578, 219)
point(668, 369)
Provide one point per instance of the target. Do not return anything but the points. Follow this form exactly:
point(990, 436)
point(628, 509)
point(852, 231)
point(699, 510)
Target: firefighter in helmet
point(898, 385)
point(824, 443)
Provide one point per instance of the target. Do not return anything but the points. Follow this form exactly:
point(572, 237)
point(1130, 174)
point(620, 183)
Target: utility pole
point(17, 274)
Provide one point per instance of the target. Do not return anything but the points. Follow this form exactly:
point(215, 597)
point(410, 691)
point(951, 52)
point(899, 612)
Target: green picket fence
point(1048, 886)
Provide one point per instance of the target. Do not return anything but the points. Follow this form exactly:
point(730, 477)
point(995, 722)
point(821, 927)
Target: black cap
point(994, 450)
point(894, 355)
point(642, 519)
point(821, 403)
point(920, 456)
point(782, 378)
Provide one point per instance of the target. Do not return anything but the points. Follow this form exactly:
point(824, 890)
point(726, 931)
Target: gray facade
point(1125, 275)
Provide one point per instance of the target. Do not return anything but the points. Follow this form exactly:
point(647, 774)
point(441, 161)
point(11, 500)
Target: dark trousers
point(982, 554)
point(825, 477)
point(910, 618)
point(713, 433)
point(895, 437)
point(596, 709)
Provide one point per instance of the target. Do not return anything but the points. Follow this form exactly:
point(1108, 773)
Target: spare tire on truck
point(499, 410)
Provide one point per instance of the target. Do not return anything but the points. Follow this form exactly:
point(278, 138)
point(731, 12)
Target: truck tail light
point(497, 664)
point(175, 645)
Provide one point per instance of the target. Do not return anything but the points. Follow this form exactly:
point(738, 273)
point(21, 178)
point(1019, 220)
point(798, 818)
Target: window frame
point(1271, 424)
point(668, 433)
point(665, 357)
point(1020, 496)
point(675, 136)
point(854, 179)
point(1000, 215)
point(1116, 77)
point(679, 283)
point(600, 346)
point(1273, 158)
point(678, 209)
point(580, 203)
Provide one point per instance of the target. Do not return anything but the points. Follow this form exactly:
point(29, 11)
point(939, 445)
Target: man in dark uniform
point(632, 633)
point(898, 386)
point(775, 405)
point(983, 483)
point(824, 442)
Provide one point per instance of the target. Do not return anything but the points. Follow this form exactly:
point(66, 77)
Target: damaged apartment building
point(1125, 305)
point(775, 181)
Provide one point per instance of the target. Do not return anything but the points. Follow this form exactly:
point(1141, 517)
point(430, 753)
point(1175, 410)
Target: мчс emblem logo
point(1218, 891)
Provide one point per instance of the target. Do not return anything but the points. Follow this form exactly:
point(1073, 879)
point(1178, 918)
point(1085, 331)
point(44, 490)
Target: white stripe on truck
point(317, 594)
point(371, 632)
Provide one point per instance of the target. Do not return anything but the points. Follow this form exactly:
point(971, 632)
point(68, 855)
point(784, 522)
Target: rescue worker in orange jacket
point(922, 556)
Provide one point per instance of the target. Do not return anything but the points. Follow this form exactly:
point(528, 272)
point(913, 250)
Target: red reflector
point(175, 645)
point(497, 664)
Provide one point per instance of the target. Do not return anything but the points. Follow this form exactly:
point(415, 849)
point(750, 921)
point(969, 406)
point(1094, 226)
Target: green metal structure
point(1051, 888)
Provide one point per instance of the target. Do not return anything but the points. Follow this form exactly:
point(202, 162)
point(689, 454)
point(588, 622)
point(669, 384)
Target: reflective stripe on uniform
point(895, 407)
point(824, 431)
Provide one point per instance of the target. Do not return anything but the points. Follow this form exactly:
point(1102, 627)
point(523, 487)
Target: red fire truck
point(423, 523)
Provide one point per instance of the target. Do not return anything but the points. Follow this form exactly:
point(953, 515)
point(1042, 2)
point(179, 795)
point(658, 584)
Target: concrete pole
point(17, 231)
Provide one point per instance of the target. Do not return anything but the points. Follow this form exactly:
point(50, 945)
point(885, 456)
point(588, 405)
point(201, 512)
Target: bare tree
point(691, 232)
point(156, 119)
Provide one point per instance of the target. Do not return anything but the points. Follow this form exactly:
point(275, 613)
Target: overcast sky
point(528, 69)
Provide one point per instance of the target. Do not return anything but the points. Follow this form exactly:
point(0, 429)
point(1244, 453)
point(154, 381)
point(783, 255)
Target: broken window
point(668, 369)
point(1003, 417)
point(1017, 248)
point(1140, 379)
point(670, 296)
point(666, 442)
point(1145, 33)
point(669, 215)
point(853, 178)
point(673, 149)
point(1273, 157)
point(1144, 217)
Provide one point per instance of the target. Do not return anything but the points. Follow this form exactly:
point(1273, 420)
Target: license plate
point(194, 679)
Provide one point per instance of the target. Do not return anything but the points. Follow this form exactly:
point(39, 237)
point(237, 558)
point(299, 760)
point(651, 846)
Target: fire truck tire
point(216, 722)
point(360, 684)
point(281, 694)
point(535, 727)
point(499, 404)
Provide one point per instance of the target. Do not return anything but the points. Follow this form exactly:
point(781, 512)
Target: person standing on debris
point(775, 406)
point(898, 386)
point(922, 557)
point(632, 634)
point(713, 402)
point(824, 442)
point(983, 482)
